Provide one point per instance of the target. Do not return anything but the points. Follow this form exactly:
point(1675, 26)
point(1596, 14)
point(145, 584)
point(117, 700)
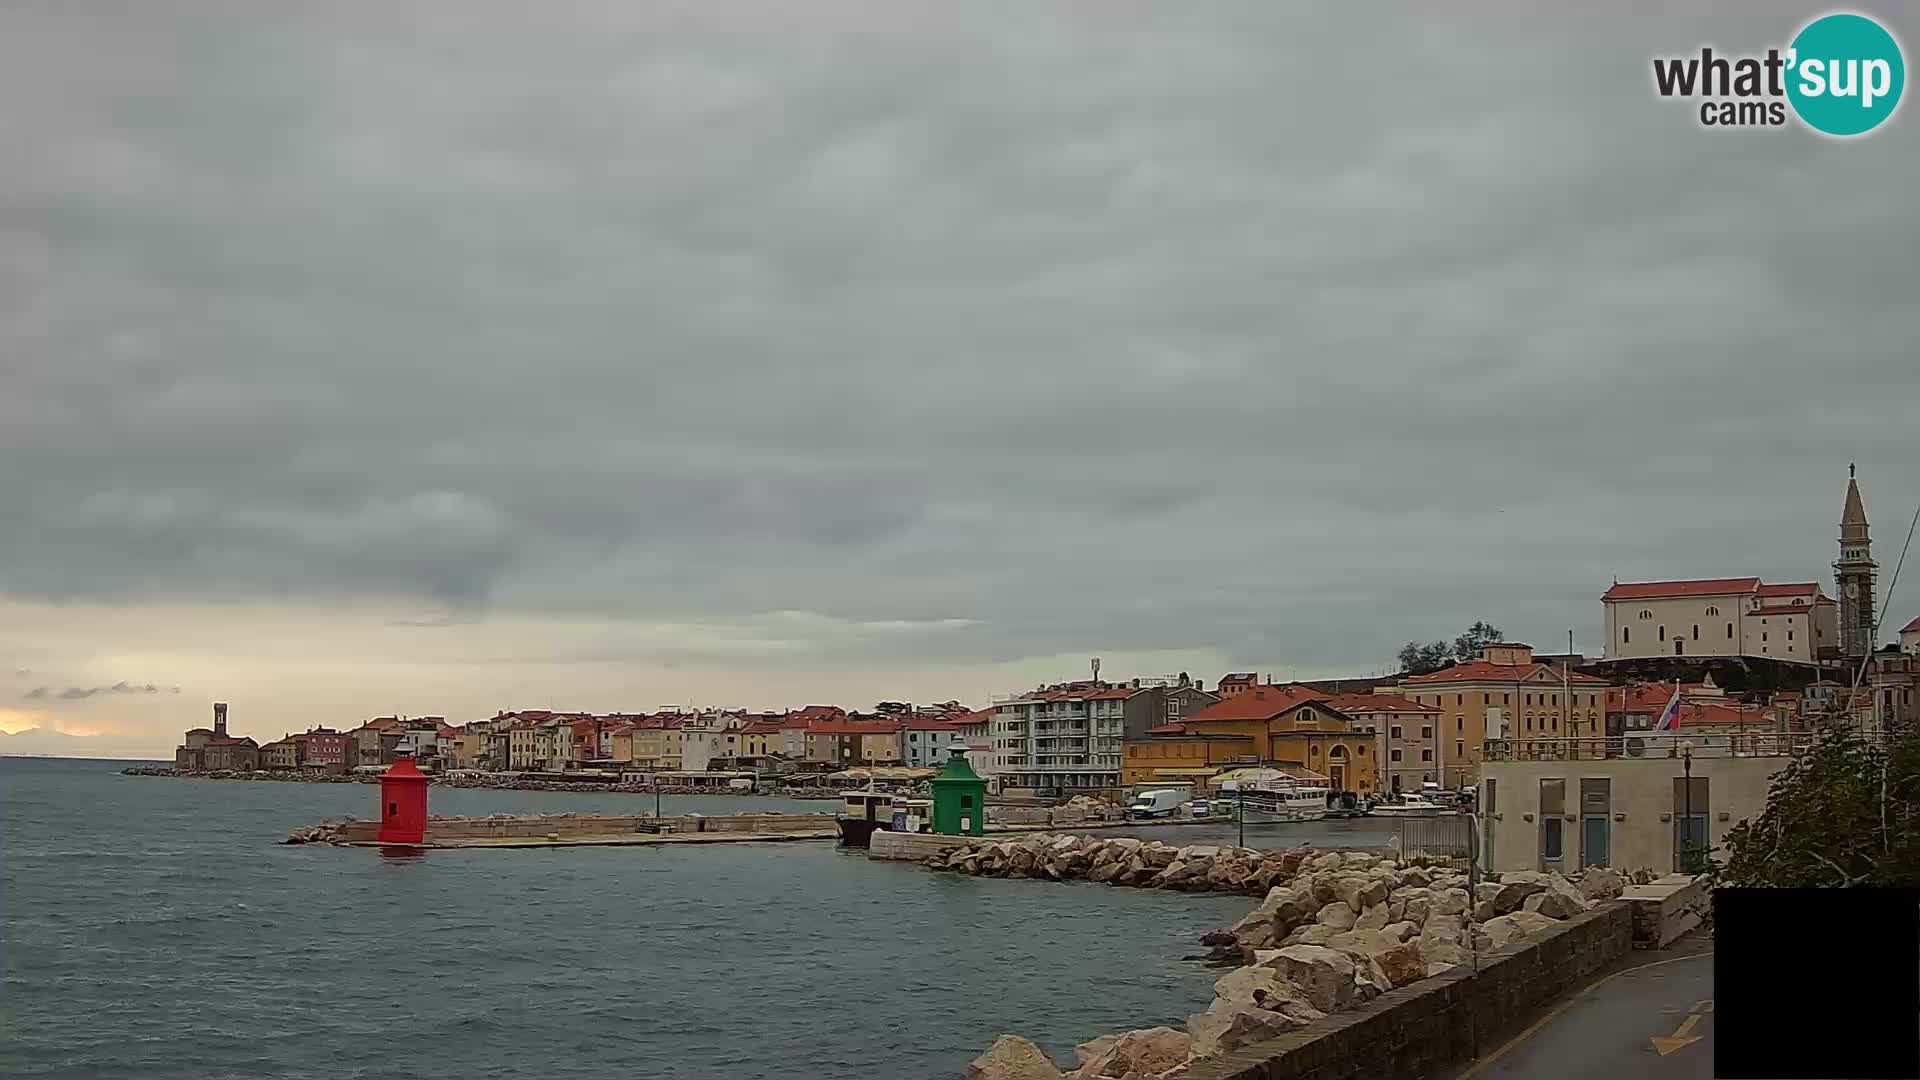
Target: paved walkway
point(1650, 1021)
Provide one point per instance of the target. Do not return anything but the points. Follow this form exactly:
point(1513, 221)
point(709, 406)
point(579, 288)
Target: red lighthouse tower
point(403, 803)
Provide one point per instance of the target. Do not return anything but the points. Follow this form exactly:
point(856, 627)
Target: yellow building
point(657, 744)
point(1268, 725)
point(1505, 694)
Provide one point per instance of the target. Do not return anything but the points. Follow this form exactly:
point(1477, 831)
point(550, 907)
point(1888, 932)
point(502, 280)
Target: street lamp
point(1240, 809)
point(1686, 803)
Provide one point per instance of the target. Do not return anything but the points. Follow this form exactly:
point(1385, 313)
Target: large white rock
point(1373, 918)
point(1450, 902)
point(1515, 925)
point(1144, 1053)
point(1013, 1058)
point(1601, 883)
point(1229, 1027)
point(1337, 915)
point(1560, 900)
point(1360, 892)
point(1324, 975)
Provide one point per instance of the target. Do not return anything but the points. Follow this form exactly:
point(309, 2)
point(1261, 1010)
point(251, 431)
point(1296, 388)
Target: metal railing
point(1447, 837)
point(1653, 745)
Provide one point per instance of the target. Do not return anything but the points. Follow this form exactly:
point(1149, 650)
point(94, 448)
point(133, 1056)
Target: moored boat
point(862, 814)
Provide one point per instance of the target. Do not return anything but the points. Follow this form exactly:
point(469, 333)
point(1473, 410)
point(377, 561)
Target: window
point(1713, 611)
point(1393, 754)
point(1506, 699)
point(1459, 751)
point(1529, 699)
point(1426, 731)
point(1459, 723)
point(1789, 635)
point(1426, 755)
point(1663, 633)
point(1394, 731)
point(1729, 631)
point(1645, 614)
point(1626, 634)
point(1459, 699)
point(1486, 699)
point(1763, 635)
point(1696, 631)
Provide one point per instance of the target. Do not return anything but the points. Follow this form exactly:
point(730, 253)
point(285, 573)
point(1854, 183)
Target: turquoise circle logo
point(1847, 74)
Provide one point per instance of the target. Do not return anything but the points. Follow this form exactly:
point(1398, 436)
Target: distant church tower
point(1853, 575)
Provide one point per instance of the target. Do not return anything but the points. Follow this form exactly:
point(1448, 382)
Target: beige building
point(1720, 617)
point(1552, 809)
point(1910, 638)
point(1504, 694)
point(1406, 737)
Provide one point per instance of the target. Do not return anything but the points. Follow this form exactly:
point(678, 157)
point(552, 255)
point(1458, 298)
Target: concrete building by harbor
point(1060, 740)
point(1287, 727)
point(1565, 804)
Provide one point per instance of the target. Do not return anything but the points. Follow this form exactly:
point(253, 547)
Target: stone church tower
point(1853, 575)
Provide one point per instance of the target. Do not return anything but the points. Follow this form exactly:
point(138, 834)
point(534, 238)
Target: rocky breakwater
point(1332, 931)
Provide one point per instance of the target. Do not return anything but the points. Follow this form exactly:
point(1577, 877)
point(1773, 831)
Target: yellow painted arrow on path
point(1681, 1038)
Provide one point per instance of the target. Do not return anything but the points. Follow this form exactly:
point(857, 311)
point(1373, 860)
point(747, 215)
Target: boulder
point(1434, 967)
point(1311, 934)
point(1326, 861)
point(1324, 975)
point(1255, 930)
point(1093, 1048)
point(1337, 915)
point(1415, 910)
point(1403, 963)
point(1172, 872)
point(1513, 926)
point(1396, 909)
point(1484, 910)
point(1013, 1058)
point(1287, 904)
point(1369, 978)
point(1158, 855)
point(1144, 1053)
point(1413, 876)
point(1511, 894)
point(1360, 892)
point(1400, 931)
point(1449, 902)
point(1108, 871)
point(1372, 918)
point(1601, 883)
point(1560, 900)
point(1199, 851)
point(1217, 1031)
point(1443, 951)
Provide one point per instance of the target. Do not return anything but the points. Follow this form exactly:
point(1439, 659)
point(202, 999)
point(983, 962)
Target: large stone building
point(1720, 617)
point(1504, 694)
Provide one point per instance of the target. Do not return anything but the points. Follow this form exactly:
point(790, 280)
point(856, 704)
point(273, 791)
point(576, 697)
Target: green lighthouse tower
point(959, 797)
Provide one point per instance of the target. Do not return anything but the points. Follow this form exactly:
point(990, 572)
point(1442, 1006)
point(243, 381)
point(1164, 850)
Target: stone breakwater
point(1332, 930)
point(496, 781)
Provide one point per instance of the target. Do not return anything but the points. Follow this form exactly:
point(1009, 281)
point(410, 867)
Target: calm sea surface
point(155, 927)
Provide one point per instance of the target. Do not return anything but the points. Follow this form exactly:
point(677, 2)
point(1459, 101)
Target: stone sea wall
point(1333, 931)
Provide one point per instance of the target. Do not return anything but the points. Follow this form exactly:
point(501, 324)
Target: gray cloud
point(81, 693)
point(1054, 332)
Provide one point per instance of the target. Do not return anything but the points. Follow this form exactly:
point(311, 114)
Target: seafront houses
point(853, 742)
point(1405, 734)
point(924, 741)
point(1720, 617)
point(1063, 739)
point(1504, 693)
point(1286, 727)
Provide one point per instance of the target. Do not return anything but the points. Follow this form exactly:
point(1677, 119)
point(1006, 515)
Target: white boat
point(1275, 796)
point(1409, 806)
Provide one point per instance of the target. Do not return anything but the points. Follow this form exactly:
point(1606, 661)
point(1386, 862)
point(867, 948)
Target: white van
point(1153, 804)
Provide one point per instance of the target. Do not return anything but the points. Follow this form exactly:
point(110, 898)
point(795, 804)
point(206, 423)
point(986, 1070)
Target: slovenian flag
point(1670, 716)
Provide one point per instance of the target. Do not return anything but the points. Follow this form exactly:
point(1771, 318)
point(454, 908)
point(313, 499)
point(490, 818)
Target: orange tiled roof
point(1797, 588)
point(855, 727)
point(1364, 703)
point(1259, 703)
point(1656, 590)
point(1482, 671)
point(761, 727)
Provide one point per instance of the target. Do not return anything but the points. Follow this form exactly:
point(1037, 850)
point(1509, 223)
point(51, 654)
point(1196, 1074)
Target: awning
point(1186, 772)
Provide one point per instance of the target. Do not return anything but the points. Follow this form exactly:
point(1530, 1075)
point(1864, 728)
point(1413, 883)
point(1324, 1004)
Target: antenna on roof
point(1096, 669)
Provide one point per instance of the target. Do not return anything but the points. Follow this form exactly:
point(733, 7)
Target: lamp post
point(1686, 803)
point(1240, 809)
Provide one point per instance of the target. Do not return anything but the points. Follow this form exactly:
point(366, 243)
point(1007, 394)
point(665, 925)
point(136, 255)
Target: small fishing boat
point(862, 814)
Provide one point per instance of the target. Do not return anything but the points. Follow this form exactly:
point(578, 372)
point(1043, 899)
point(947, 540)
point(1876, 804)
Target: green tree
point(1478, 636)
point(1847, 813)
point(1419, 659)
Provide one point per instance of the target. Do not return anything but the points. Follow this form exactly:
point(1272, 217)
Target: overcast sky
point(361, 358)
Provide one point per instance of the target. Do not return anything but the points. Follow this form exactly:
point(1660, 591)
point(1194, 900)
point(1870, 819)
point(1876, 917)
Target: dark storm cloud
point(1283, 334)
point(81, 693)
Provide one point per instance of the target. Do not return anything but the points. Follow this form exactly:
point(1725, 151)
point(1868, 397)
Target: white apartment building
point(1060, 739)
point(1720, 617)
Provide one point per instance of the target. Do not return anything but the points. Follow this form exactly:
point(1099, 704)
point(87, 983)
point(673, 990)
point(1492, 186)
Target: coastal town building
point(1406, 736)
point(1574, 803)
point(1854, 572)
point(1910, 638)
point(1719, 617)
point(924, 742)
point(1504, 693)
point(280, 754)
point(1238, 682)
point(323, 750)
point(1060, 740)
point(1280, 726)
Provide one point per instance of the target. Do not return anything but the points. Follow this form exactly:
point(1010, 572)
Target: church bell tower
point(1853, 576)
